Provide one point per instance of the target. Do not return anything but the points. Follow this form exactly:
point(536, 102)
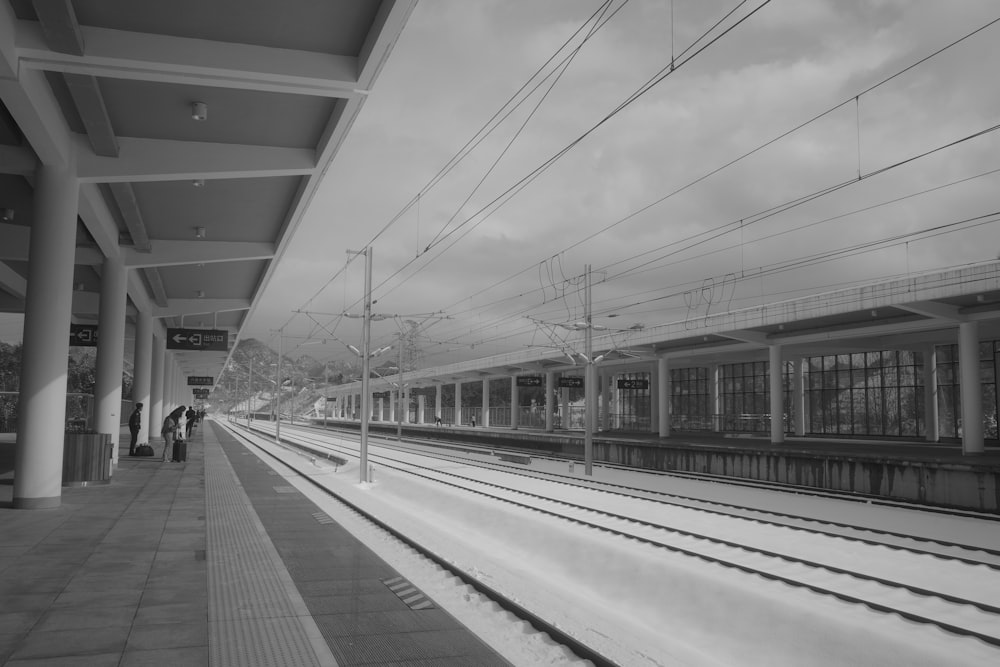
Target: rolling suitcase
point(180, 451)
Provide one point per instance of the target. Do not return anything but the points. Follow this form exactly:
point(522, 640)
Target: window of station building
point(745, 396)
point(870, 393)
point(633, 404)
point(949, 391)
point(690, 398)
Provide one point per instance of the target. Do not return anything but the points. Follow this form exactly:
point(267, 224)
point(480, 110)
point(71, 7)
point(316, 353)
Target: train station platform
point(209, 562)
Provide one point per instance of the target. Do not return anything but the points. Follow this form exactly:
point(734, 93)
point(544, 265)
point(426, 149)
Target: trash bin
point(86, 459)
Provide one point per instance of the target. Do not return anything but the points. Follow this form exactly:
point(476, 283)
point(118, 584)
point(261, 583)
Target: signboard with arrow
point(84, 335)
point(210, 340)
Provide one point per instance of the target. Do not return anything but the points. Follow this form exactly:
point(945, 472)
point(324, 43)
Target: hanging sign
point(571, 382)
point(200, 380)
point(633, 384)
point(212, 340)
point(84, 335)
point(529, 380)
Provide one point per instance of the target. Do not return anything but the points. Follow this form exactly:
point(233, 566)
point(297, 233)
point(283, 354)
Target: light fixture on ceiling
point(198, 182)
point(6, 215)
point(199, 232)
point(199, 111)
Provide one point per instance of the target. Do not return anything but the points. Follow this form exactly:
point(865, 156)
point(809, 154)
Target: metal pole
point(588, 384)
point(277, 386)
point(399, 394)
point(365, 354)
point(249, 389)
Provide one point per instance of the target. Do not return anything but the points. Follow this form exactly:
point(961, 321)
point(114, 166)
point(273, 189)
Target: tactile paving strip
point(256, 615)
point(408, 593)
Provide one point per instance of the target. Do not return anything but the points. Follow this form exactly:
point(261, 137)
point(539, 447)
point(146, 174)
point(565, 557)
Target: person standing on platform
point(170, 423)
point(192, 419)
point(134, 424)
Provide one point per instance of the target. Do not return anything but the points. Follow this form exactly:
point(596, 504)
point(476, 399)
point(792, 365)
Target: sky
point(665, 198)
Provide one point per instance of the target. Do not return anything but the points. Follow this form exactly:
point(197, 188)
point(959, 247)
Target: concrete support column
point(45, 349)
point(971, 388)
point(111, 352)
point(715, 396)
point(404, 404)
point(799, 400)
point(776, 395)
point(932, 429)
point(606, 401)
point(663, 397)
point(394, 398)
point(515, 401)
point(564, 400)
point(154, 412)
point(550, 392)
point(655, 394)
point(421, 400)
point(458, 404)
point(437, 403)
point(486, 402)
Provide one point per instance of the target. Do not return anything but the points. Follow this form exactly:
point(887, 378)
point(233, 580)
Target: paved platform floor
point(216, 561)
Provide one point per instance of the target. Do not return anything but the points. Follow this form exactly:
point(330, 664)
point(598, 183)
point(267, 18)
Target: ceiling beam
point(747, 336)
point(934, 309)
point(142, 160)
point(58, 23)
point(137, 56)
point(179, 307)
point(156, 287)
point(11, 282)
point(176, 253)
point(17, 160)
point(128, 206)
point(86, 94)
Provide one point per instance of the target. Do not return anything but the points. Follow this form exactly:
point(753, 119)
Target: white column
point(153, 414)
point(971, 390)
point(715, 396)
point(776, 396)
point(110, 352)
point(421, 400)
point(663, 397)
point(515, 399)
point(606, 401)
point(486, 402)
point(932, 427)
point(394, 398)
point(550, 390)
point(458, 403)
point(45, 348)
point(564, 399)
point(437, 402)
point(799, 401)
point(404, 404)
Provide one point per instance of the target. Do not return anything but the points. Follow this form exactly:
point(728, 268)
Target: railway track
point(827, 558)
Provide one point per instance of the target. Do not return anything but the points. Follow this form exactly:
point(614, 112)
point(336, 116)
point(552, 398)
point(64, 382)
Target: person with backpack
point(192, 419)
point(134, 426)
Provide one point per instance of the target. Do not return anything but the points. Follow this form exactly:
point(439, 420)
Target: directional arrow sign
point(196, 380)
point(572, 382)
point(529, 381)
point(83, 334)
point(215, 340)
point(633, 384)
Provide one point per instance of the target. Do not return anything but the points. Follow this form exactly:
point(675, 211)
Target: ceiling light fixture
point(6, 214)
point(199, 232)
point(198, 182)
point(199, 111)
